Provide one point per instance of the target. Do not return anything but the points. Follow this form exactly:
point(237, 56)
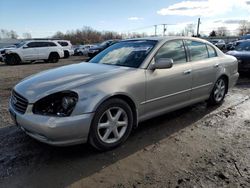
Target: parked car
point(101, 101)
point(241, 51)
point(67, 47)
point(245, 37)
point(83, 49)
point(33, 50)
point(219, 43)
point(97, 49)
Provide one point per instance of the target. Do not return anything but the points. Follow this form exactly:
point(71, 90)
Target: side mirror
point(162, 63)
point(25, 46)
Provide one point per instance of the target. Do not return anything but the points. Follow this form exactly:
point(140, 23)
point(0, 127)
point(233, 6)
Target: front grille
point(19, 102)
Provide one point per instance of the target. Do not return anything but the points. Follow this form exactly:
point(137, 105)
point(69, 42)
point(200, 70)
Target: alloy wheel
point(112, 125)
point(220, 89)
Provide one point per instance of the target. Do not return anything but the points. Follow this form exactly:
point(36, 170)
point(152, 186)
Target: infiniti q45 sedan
point(102, 100)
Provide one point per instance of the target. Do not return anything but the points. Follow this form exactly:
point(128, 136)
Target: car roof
point(167, 38)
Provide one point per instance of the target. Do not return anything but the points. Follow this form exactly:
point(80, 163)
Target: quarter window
point(174, 50)
point(198, 50)
point(63, 43)
point(211, 51)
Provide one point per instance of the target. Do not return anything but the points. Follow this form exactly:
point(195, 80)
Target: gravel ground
point(198, 146)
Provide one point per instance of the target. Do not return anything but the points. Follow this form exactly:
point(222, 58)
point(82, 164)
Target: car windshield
point(127, 53)
point(242, 46)
point(20, 44)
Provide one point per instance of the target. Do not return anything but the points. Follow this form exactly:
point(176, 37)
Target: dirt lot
point(198, 146)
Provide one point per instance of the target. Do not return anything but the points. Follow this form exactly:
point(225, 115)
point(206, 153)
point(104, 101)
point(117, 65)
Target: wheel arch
point(54, 52)
point(125, 98)
point(226, 79)
point(15, 54)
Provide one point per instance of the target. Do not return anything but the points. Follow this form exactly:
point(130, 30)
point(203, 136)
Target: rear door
point(45, 49)
point(204, 68)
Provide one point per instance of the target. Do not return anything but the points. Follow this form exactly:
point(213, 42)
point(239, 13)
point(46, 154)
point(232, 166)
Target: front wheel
point(12, 59)
point(219, 91)
point(111, 125)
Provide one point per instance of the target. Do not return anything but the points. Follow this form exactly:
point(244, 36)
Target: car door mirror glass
point(25, 46)
point(162, 63)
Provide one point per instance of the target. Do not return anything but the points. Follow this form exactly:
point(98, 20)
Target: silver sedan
point(101, 101)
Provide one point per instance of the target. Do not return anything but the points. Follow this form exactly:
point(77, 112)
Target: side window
point(32, 45)
point(174, 50)
point(63, 43)
point(198, 50)
point(211, 51)
point(41, 44)
point(51, 44)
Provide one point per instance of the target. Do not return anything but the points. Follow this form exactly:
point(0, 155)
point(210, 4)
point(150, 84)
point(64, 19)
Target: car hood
point(64, 78)
point(239, 53)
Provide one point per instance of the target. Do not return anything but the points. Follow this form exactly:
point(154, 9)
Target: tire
point(105, 131)
point(219, 91)
point(12, 59)
point(66, 54)
point(53, 58)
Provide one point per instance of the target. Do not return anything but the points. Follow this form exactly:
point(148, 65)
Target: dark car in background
point(242, 52)
point(245, 37)
point(97, 49)
point(219, 43)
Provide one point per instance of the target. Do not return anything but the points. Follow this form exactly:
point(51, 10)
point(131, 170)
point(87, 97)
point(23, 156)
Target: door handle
point(187, 71)
point(216, 65)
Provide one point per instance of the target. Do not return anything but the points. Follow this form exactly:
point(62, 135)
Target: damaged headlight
point(58, 104)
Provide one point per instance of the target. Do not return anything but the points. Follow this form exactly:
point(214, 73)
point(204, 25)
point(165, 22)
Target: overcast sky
point(43, 18)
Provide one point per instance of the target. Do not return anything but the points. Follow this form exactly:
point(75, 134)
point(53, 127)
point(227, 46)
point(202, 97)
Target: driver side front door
point(168, 89)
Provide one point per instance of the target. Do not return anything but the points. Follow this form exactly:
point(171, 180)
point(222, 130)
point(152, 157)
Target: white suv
point(33, 50)
point(67, 47)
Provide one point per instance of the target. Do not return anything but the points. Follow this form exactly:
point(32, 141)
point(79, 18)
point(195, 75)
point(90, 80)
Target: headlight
point(58, 104)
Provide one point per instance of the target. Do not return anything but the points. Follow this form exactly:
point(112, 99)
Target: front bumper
point(58, 131)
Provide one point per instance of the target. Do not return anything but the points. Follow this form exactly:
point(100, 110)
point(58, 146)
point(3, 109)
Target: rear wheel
point(219, 91)
point(66, 54)
point(111, 125)
point(53, 58)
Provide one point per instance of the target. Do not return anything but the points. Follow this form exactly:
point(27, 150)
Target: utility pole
point(164, 29)
point(155, 30)
point(198, 27)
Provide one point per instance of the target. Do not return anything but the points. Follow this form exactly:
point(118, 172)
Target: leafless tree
point(244, 27)
point(189, 29)
point(222, 31)
point(27, 35)
point(8, 34)
point(87, 35)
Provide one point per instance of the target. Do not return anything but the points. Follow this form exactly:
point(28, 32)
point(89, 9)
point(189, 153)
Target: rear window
point(198, 50)
point(243, 46)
